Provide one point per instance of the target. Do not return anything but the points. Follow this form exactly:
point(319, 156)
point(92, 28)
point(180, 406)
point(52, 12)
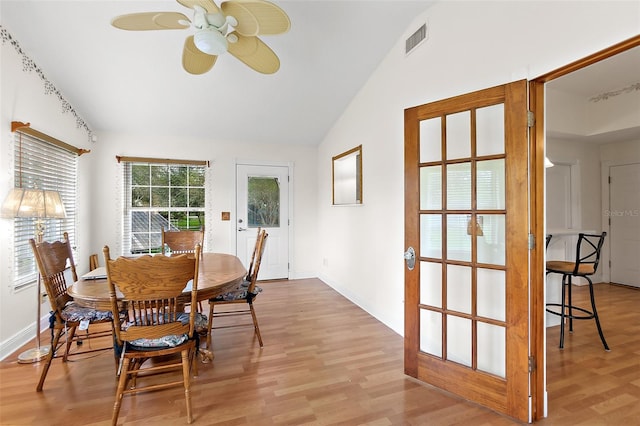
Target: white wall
point(99, 204)
point(358, 250)
point(586, 157)
point(471, 46)
point(220, 235)
point(23, 98)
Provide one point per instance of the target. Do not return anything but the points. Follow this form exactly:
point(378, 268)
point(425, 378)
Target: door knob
point(410, 258)
point(242, 229)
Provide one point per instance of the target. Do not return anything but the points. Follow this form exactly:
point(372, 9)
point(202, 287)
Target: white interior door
point(262, 200)
point(624, 215)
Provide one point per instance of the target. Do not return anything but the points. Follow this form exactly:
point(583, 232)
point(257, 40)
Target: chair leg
point(562, 310)
point(255, 324)
point(71, 333)
point(186, 375)
point(595, 315)
point(49, 358)
point(193, 361)
point(124, 374)
point(569, 288)
point(209, 327)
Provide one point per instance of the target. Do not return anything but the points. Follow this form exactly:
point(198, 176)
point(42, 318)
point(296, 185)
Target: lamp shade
point(36, 203)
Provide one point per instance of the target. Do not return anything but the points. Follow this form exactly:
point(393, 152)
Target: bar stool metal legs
point(567, 310)
point(587, 259)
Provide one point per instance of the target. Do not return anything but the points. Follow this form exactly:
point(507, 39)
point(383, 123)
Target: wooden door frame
point(536, 166)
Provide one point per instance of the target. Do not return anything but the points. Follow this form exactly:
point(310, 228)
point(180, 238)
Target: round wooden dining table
point(218, 273)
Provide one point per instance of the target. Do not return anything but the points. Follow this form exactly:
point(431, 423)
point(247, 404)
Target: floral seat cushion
point(171, 340)
point(239, 294)
point(75, 313)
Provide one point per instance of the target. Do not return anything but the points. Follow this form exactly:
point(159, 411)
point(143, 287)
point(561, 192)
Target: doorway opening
point(538, 136)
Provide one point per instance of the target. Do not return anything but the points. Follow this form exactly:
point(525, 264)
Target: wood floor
point(327, 362)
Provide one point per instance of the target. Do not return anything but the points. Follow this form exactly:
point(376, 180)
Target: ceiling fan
point(233, 27)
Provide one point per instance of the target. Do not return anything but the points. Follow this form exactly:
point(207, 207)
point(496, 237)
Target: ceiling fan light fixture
point(210, 41)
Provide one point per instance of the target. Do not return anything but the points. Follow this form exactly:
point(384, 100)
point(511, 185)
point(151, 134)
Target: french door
point(466, 220)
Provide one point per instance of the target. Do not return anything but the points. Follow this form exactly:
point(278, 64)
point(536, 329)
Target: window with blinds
point(40, 164)
point(157, 195)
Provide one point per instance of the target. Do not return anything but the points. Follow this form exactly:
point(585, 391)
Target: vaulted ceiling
point(133, 82)
point(124, 81)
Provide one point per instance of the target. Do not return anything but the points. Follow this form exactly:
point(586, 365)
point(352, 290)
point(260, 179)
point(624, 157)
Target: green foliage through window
point(161, 196)
point(263, 202)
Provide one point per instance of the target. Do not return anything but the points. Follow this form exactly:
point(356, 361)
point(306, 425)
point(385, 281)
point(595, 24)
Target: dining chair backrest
point(53, 259)
point(253, 254)
point(245, 293)
point(257, 260)
point(55, 263)
point(150, 288)
point(93, 261)
point(588, 250)
point(182, 241)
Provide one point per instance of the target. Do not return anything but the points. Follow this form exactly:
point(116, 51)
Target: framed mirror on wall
point(346, 174)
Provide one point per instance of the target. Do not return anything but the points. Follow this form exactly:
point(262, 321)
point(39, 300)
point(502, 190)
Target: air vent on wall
point(416, 38)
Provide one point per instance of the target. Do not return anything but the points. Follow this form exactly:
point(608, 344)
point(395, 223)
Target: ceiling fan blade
point(193, 60)
point(207, 5)
point(254, 53)
point(151, 21)
point(257, 17)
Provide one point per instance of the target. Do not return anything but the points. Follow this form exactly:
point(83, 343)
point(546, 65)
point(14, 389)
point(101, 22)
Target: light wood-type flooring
point(327, 362)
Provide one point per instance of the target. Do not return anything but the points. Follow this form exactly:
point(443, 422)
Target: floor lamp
point(39, 205)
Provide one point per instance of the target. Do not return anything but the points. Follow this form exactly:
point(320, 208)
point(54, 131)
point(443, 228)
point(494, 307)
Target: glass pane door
point(466, 157)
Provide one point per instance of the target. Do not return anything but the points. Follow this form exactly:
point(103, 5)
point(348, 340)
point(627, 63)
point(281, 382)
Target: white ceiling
point(133, 82)
point(609, 75)
point(619, 74)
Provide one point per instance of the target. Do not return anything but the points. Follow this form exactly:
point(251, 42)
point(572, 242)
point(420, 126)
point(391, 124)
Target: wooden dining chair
point(55, 260)
point(150, 321)
point(93, 262)
point(182, 241)
point(244, 294)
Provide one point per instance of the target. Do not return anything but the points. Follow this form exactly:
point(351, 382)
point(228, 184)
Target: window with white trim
point(43, 165)
point(159, 194)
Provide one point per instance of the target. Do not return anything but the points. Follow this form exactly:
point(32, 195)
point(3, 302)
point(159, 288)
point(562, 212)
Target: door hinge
point(532, 242)
point(532, 364)
point(531, 119)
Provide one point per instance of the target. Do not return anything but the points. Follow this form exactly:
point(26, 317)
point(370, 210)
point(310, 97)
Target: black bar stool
point(586, 264)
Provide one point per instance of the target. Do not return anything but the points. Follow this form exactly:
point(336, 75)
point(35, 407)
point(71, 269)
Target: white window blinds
point(45, 166)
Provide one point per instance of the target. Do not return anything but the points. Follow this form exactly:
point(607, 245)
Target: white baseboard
point(15, 342)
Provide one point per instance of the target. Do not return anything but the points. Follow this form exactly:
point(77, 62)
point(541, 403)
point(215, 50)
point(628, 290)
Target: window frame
point(154, 235)
point(49, 164)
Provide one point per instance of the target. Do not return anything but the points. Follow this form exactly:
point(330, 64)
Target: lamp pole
point(38, 353)
point(38, 204)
